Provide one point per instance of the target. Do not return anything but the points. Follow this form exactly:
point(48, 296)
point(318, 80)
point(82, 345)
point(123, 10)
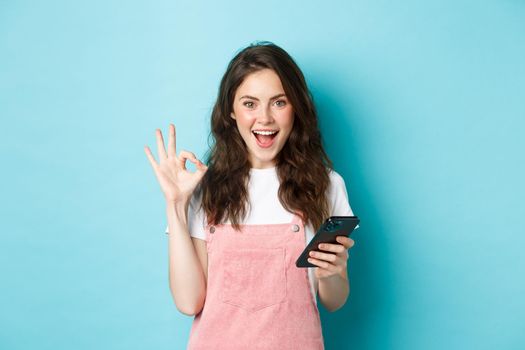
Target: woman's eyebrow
point(255, 98)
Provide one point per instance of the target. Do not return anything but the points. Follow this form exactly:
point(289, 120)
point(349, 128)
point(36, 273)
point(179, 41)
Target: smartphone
point(333, 226)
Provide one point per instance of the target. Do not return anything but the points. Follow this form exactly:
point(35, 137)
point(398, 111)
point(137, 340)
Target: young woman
point(238, 223)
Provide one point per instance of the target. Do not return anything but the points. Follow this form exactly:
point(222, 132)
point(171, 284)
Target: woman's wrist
point(177, 212)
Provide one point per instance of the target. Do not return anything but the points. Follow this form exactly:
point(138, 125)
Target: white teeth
point(264, 132)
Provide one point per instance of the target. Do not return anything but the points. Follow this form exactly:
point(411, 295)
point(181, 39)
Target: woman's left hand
point(331, 259)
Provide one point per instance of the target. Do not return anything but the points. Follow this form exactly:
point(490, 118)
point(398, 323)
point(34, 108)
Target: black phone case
point(333, 226)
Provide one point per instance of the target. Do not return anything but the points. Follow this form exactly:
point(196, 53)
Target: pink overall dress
point(256, 297)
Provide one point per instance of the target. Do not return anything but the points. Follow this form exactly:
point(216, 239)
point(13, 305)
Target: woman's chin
point(262, 161)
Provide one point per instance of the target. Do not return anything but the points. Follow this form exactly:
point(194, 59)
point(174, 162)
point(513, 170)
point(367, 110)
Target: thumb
point(201, 167)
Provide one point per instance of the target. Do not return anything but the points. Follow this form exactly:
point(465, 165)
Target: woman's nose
point(265, 116)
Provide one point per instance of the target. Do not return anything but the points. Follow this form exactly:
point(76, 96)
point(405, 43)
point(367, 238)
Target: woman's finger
point(160, 146)
point(172, 141)
point(330, 247)
point(323, 256)
point(151, 159)
point(183, 155)
point(346, 241)
point(323, 264)
point(201, 167)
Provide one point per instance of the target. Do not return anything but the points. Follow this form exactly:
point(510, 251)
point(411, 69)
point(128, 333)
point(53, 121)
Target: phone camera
point(333, 225)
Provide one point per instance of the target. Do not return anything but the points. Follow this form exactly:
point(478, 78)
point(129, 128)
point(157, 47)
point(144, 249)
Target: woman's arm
point(331, 271)
point(333, 291)
point(186, 275)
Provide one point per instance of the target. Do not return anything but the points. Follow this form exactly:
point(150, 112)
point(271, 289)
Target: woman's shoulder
point(336, 180)
point(196, 200)
point(337, 195)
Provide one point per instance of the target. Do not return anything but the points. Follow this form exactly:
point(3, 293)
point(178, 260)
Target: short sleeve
point(338, 196)
point(196, 218)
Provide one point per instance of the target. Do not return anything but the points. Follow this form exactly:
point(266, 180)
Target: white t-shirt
point(266, 208)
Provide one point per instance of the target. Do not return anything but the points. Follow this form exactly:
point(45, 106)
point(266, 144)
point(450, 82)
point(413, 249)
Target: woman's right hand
point(176, 182)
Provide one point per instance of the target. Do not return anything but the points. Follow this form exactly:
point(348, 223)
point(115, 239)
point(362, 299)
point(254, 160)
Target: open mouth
point(265, 138)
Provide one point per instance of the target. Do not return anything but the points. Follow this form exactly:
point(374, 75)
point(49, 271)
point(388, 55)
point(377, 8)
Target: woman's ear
point(232, 115)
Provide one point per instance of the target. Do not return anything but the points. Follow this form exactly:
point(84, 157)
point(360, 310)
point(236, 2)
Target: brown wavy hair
point(302, 165)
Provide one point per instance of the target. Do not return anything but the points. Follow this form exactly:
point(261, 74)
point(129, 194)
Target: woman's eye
point(280, 103)
point(248, 104)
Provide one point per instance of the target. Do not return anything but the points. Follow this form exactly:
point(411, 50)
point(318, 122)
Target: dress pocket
point(254, 278)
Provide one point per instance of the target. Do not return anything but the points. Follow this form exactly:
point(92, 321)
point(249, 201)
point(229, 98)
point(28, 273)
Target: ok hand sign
point(176, 182)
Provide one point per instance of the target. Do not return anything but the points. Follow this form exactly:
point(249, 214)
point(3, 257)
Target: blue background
point(422, 110)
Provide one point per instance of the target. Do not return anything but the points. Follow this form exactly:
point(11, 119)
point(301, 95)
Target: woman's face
point(264, 116)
